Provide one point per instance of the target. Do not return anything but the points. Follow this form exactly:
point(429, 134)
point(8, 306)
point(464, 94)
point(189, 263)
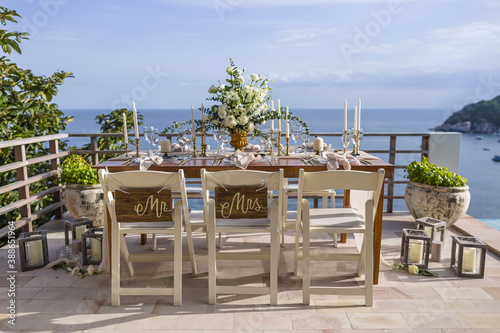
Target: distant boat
point(496, 158)
point(487, 149)
point(479, 137)
point(498, 140)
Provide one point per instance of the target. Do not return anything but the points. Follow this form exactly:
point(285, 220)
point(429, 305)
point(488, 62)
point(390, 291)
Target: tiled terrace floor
point(53, 300)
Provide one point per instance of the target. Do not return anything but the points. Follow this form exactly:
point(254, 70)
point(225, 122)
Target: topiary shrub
point(430, 174)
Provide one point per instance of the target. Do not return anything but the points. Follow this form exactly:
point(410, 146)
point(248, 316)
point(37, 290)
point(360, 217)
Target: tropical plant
point(26, 111)
point(426, 173)
point(76, 170)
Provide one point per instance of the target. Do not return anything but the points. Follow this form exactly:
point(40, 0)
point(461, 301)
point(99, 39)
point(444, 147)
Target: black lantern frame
point(415, 248)
point(468, 256)
point(33, 249)
point(90, 239)
point(73, 224)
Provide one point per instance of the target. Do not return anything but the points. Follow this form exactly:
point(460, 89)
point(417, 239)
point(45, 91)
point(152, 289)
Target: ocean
point(476, 163)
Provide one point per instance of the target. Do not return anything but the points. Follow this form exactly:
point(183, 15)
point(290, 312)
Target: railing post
point(24, 191)
point(390, 185)
point(54, 163)
point(93, 147)
point(425, 146)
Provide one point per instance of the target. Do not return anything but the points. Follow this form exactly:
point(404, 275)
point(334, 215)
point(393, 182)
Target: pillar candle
point(345, 115)
point(35, 252)
point(193, 131)
point(355, 118)
point(416, 251)
point(76, 246)
point(469, 259)
point(436, 249)
point(80, 230)
point(125, 130)
point(136, 127)
point(318, 144)
point(165, 146)
point(95, 245)
point(359, 114)
point(287, 124)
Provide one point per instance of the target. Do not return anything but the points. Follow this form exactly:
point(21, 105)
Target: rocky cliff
point(481, 117)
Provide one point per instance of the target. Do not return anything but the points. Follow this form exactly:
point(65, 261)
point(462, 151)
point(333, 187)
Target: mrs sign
point(144, 205)
point(248, 202)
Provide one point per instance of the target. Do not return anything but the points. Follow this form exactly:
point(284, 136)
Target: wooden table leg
point(144, 239)
point(377, 237)
point(347, 199)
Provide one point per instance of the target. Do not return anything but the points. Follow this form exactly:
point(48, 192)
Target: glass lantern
point(77, 226)
point(92, 246)
point(415, 248)
point(33, 250)
point(468, 256)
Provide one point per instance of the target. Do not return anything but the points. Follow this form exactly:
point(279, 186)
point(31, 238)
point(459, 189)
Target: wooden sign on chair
point(143, 205)
point(237, 202)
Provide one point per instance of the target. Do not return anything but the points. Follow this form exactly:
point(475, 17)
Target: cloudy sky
point(166, 53)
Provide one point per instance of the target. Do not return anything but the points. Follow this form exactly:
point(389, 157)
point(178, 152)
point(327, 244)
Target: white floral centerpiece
point(242, 104)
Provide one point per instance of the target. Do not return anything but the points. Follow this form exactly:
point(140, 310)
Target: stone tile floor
point(53, 300)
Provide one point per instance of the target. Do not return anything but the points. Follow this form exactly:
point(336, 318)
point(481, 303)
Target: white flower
point(230, 121)
point(222, 87)
point(213, 89)
point(240, 79)
point(251, 127)
point(75, 271)
point(412, 269)
point(91, 270)
point(243, 119)
point(222, 112)
point(254, 77)
point(246, 88)
point(240, 72)
point(230, 70)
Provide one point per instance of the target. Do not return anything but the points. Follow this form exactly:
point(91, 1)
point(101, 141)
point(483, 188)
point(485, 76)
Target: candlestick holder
point(126, 149)
point(194, 154)
point(137, 147)
point(287, 147)
point(357, 136)
point(346, 138)
point(279, 143)
point(203, 145)
point(271, 144)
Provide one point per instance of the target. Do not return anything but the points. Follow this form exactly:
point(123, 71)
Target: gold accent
point(137, 147)
point(279, 143)
point(287, 147)
point(239, 139)
point(194, 147)
point(126, 149)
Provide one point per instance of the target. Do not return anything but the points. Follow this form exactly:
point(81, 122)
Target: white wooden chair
point(140, 202)
point(250, 218)
point(358, 219)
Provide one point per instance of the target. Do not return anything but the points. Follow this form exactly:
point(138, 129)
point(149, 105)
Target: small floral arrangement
point(242, 104)
point(414, 270)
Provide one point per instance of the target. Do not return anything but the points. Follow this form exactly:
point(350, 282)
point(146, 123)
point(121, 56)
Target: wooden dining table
point(290, 166)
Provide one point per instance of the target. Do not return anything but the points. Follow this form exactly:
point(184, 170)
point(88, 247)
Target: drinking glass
point(218, 138)
point(148, 132)
point(224, 139)
point(305, 139)
point(296, 133)
point(346, 139)
point(264, 138)
point(155, 137)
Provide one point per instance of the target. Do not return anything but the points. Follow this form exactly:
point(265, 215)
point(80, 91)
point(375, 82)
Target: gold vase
point(239, 139)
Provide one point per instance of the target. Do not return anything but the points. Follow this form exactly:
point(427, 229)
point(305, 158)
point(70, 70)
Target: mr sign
point(249, 202)
point(143, 205)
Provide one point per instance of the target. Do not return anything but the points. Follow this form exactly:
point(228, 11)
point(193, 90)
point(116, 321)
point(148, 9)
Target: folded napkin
point(242, 160)
point(251, 147)
point(146, 161)
point(333, 160)
point(178, 148)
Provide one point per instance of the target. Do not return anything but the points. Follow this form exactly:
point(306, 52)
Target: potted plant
point(435, 192)
point(83, 195)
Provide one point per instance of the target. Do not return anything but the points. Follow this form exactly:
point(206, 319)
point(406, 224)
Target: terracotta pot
point(443, 203)
point(85, 201)
point(239, 139)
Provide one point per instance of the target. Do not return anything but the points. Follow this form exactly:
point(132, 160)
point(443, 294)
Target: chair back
point(143, 196)
point(241, 194)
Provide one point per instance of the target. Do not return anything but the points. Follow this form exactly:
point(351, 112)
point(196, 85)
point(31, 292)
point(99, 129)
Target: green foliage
point(76, 170)
point(26, 111)
point(113, 123)
point(430, 174)
point(481, 112)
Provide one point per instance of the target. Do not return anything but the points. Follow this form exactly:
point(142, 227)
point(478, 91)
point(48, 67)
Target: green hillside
point(481, 112)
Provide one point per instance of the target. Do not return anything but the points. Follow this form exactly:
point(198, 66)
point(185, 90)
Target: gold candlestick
point(203, 145)
point(279, 143)
point(271, 137)
point(194, 147)
point(137, 147)
point(345, 140)
point(287, 146)
point(126, 149)
point(355, 151)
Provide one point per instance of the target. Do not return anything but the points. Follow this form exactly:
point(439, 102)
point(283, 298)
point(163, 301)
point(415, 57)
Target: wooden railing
point(23, 180)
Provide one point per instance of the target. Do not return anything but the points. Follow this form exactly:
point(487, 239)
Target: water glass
point(148, 133)
point(264, 138)
point(305, 139)
point(224, 139)
point(296, 133)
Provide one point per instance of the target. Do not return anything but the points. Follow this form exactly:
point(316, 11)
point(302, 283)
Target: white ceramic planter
point(443, 203)
point(85, 201)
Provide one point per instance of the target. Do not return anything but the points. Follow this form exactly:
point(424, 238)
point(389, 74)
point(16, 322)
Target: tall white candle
point(355, 118)
point(202, 122)
point(359, 114)
point(125, 130)
point(279, 116)
point(193, 131)
point(79, 231)
point(416, 251)
point(95, 245)
point(287, 124)
point(272, 105)
point(272, 124)
point(469, 259)
point(36, 252)
point(279, 106)
point(345, 115)
point(136, 127)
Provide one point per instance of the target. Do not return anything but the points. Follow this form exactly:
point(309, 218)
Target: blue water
point(475, 160)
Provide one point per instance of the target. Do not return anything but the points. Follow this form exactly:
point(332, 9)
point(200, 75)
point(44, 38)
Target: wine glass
point(264, 138)
point(224, 139)
point(346, 139)
point(296, 133)
point(155, 137)
point(305, 139)
point(218, 138)
point(148, 132)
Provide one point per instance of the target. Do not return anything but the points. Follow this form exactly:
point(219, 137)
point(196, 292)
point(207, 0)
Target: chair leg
point(275, 250)
point(178, 264)
point(306, 267)
point(220, 240)
point(153, 245)
point(212, 265)
point(115, 266)
point(189, 236)
point(362, 257)
point(125, 254)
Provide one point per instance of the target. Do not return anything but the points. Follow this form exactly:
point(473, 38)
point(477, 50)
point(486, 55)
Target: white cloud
point(267, 3)
point(59, 36)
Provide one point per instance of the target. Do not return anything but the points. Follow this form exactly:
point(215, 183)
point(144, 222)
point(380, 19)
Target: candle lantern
point(468, 255)
point(33, 250)
point(415, 248)
point(77, 226)
point(92, 246)
point(432, 227)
